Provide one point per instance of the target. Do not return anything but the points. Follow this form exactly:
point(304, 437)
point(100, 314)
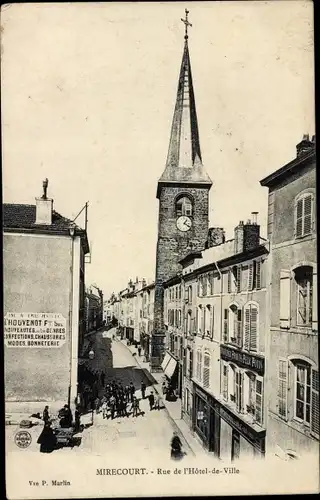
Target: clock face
point(184, 223)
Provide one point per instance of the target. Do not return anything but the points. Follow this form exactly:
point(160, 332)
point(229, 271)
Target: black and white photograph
point(159, 249)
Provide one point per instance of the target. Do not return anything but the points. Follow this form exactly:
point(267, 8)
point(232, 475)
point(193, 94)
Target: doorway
point(235, 446)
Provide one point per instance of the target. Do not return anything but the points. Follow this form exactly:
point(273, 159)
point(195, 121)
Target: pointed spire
point(184, 160)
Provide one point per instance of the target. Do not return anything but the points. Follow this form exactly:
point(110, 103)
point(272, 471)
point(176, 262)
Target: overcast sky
point(88, 98)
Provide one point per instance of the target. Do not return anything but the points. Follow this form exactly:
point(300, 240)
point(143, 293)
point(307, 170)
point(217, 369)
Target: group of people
point(119, 400)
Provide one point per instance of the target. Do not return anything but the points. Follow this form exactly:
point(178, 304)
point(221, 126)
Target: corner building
point(183, 193)
point(293, 363)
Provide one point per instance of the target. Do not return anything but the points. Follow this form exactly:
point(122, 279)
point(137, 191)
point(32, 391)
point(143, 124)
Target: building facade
point(293, 365)
point(43, 303)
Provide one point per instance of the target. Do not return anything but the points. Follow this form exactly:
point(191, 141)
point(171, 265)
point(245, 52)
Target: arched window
point(303, 277)
point(251, 324)
point(206, 369)
point(183, 206)
point(303, 384)
point(304, 215)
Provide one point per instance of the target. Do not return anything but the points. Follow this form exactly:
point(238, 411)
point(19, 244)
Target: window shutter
point(247, 328)
point(254, 329)
point(258, 405)
point(285, 298)
point(197, 320)
point(229, 281)
point(250, 287)
point(299, 217)
point(258, 274)
point(198, 286)
point(315, 403)
point(238, 278)
point(283, 388)
point(239, 328)
point(225, 325)
point(307, 215)
point(206, 371)
point(315, 300)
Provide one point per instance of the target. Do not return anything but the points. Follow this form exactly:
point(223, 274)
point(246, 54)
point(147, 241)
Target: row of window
point(239, 387)
point(298, 388)
point(173, 293)
point(174, 318)
point(244, 389)
point(240, 325)
point(237, 279)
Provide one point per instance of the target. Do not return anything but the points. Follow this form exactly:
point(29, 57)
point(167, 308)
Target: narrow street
point(145, 434)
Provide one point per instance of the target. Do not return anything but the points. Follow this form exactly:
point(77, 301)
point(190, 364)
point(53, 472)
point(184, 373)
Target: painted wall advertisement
point(34, 330)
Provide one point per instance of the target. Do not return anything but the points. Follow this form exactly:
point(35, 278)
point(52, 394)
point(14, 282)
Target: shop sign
point(237, 424)
point(34, 330)
point(243, 359)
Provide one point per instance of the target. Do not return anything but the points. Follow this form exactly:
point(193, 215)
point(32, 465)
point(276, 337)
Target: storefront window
point(202, 416)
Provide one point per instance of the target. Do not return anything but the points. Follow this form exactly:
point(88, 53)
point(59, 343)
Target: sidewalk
point(173, 409)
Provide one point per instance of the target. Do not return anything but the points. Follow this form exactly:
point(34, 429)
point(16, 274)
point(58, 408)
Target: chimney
point(44, 207)
point(247, 236)
point(305, 146)
point(238, 237)
point(216, 236)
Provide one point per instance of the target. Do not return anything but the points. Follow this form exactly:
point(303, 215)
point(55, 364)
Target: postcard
point(159, 239)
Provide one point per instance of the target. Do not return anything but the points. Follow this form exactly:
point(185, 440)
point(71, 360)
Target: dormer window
point(183, 206)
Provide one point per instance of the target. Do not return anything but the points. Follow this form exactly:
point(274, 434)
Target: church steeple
point(184, 160)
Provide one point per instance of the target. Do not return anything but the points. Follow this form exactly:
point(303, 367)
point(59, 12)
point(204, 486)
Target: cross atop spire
point(186, 24)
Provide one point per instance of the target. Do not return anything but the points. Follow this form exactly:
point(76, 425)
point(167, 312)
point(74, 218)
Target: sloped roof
point(184, 160)
point(24, 217)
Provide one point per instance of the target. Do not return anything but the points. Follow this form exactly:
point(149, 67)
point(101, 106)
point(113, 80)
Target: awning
point(170, 368)
point(165, 361)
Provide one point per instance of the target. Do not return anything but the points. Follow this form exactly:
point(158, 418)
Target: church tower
point(183, 193)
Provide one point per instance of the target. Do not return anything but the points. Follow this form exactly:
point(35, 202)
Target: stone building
point(43, 304)
point(183, 194)
point(293, 373)
point(93, 308)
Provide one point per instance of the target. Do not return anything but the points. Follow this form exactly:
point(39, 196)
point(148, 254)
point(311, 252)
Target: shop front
point(238, 439)
point(223, 432)
point(205, 421)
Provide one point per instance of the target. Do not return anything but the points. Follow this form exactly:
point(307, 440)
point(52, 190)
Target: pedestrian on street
point(139, 350)
point(127, 393)
point(151, 400)
point(158, 402)
point(135, 407)
point(143, 390)
point(132, 391)
point(77, 420)
point(112, 405)
point(45, 415)
point(47, 439)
